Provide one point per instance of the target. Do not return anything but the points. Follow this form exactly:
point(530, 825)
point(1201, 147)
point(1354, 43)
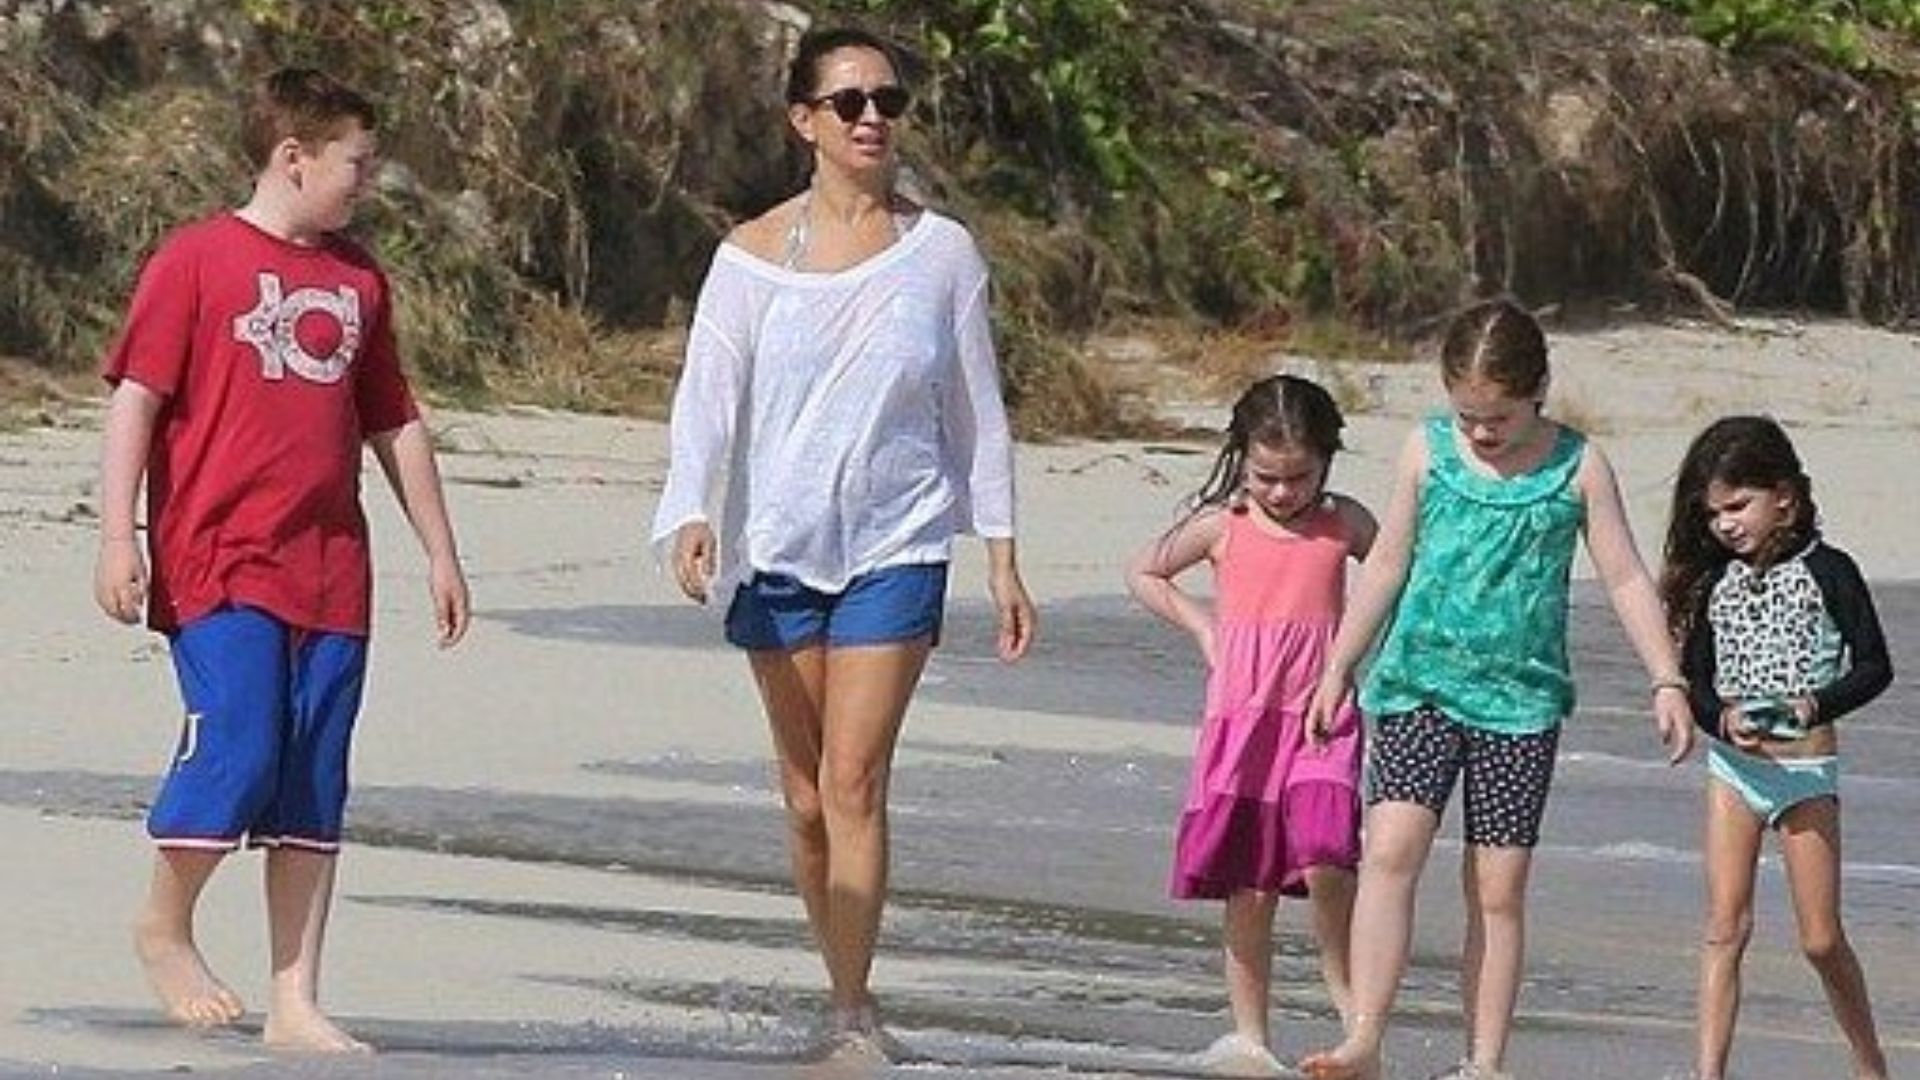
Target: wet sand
point(567, 856)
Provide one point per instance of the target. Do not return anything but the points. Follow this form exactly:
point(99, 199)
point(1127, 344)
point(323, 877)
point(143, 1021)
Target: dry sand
point(551, 510)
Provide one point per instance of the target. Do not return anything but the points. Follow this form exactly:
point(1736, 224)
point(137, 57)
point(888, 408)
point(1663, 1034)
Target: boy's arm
point(120, 574)
point(1635, 601)
point(406, 456)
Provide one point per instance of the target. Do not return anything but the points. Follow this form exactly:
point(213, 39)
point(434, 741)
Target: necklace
point(800, 233)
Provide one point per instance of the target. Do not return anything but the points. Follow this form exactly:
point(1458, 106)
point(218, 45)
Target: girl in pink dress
point(1269, 811)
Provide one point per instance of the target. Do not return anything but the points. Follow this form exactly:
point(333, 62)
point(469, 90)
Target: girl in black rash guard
point(1780, 640)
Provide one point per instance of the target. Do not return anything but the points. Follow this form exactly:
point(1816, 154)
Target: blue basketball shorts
point(891, 604)
point(262, 756)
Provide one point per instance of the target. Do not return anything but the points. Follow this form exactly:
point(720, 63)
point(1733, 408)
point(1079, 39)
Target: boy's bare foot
point(180, 978)
point(303, 1029)
point(1344, 1062)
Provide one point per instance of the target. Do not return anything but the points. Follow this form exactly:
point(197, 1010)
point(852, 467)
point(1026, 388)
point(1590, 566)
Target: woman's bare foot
point(303, 1029)
point(1348, 1061)
point(180, 978)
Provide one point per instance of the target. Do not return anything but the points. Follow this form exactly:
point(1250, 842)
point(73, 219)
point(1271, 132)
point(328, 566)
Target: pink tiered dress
point(1263, 807)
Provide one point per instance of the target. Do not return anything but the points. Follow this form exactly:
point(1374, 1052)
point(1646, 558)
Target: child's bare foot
point(180, 978)
point(303, 1029)
point(1348, 1061)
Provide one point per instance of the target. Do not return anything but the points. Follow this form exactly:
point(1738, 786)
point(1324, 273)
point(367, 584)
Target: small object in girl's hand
point(1769, 718)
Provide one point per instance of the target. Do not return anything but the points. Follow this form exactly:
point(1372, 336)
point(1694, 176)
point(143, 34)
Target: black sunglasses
point(850, 103)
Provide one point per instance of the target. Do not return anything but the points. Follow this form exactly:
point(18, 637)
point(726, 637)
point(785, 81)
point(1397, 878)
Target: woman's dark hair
point(1496, 340)
point(1739, 452)
point(1279, 410)
point(803, 76)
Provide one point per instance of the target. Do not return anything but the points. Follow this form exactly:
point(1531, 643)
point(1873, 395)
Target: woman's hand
point(693, 559)
point(1015, 609)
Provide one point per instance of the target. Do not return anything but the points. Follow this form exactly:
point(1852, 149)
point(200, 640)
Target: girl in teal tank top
point(1480, 632)
point(1469, 576)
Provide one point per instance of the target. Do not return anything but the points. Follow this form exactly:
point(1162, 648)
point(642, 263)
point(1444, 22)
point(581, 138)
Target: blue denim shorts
point(892, 604)
point(263, 753)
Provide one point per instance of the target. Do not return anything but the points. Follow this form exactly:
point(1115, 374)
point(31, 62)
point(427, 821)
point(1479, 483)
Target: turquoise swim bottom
point(1772, 786)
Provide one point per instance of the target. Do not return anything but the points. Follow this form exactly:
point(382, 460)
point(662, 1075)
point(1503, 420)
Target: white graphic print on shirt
point(272, 324)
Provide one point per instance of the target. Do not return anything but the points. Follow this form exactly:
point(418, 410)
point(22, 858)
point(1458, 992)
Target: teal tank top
point(1480, 629)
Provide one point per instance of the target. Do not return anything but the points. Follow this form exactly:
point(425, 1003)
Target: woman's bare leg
point(793, 690)
point(867, 692)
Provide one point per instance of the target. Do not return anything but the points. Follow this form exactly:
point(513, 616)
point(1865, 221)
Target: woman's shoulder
point(942, 228)
point(765, 237)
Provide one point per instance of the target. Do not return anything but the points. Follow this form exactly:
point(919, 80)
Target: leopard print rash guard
point(1802, 627)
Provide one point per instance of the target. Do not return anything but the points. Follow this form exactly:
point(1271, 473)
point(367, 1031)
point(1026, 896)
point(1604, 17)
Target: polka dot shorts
point(1416, 756)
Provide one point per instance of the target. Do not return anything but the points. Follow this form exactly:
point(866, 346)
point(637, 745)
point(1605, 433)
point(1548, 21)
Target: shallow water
point(1038, 877)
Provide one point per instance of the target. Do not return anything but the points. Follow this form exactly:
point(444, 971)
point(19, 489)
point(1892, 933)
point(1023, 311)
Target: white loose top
point(831, 424)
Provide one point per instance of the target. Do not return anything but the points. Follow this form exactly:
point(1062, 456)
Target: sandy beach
point(566, 844)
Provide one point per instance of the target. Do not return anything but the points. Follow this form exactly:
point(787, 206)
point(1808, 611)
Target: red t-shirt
point(276, 361)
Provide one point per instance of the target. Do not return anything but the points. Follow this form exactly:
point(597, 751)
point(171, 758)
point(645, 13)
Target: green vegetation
point(1235, 176)
point(1835, 30)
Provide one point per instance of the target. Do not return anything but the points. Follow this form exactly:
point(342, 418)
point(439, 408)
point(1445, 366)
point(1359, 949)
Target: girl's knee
point(857, 795)
point(1825, 947)
point(1727, 933)
point(805, 813)
point(1500, 905)
point(1393, 859)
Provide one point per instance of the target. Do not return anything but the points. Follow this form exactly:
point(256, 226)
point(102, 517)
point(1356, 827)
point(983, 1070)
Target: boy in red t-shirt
point(258, 355)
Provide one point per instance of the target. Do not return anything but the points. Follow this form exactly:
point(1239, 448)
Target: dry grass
point(32, 397)
point(570, 362)
point(1360, 165)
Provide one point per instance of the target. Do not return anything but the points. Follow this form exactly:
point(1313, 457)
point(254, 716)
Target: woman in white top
point(838, 421)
